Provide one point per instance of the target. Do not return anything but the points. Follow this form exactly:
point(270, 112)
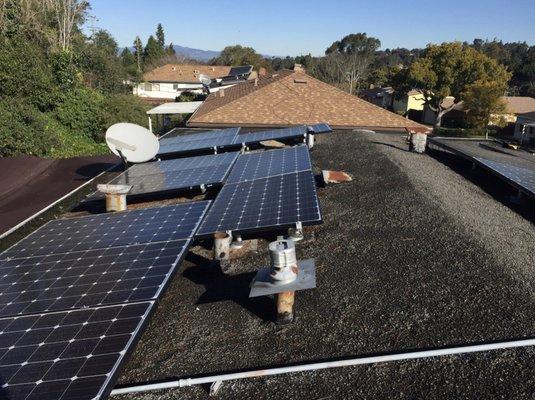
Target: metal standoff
point(284, 277)
point(115, 196)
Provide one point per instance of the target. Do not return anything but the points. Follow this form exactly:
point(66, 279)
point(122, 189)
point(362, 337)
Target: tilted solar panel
point(70, 355)
point(523, 177)
point(320, 128)
point(274, 134)
point(88, 278)
point(229, 132)
point(181, 164)
point(156, 224)
point(274, 202)
point(250, 166)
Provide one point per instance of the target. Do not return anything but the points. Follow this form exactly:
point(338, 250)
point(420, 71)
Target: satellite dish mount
point(206, 81)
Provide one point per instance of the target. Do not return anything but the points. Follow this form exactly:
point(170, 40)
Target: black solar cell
point(88, 278)
point(278, 201)
point(157, 224)
point(199, 141)
point(67, 355)
point(264, 164)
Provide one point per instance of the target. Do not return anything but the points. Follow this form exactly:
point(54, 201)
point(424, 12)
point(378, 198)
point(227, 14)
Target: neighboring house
point(380, 96)
point(514, 106)
point(169, 81)
point(291, 97)
point(413, 100)
point(525, 128)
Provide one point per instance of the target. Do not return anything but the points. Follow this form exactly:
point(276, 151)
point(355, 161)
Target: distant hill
point(196, 54)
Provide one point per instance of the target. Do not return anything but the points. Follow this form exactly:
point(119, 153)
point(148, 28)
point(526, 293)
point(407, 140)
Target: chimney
point(222, 93)
point(299, 68)
point(256, 82)
point(262, 71)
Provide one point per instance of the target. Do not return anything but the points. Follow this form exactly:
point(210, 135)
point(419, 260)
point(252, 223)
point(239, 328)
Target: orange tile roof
point(184, 73)
point(292, 98)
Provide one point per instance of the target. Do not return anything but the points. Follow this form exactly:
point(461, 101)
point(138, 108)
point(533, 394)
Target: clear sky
point(294, 27)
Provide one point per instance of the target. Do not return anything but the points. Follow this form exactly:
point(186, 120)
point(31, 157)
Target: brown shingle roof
point(184, 73)
point(291, 98)
point(519, 104)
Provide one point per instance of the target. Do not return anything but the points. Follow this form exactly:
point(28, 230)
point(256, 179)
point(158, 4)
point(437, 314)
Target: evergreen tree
point(153, 52)
point(138, 53)
point(170, 50)
point(160, 35)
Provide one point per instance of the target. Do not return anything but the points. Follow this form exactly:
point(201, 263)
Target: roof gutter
point(403, 356)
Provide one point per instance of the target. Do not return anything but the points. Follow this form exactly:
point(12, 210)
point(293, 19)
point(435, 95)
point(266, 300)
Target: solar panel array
point(271, 189)
point(320, 128)
point(76, 293)
point(172, 175)
point(225, 138)
point(523, 177)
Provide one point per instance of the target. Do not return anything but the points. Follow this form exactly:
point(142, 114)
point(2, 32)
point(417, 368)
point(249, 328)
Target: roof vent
point(222, 93)
point(256, 82)
point(173, 68)
point(300, 81)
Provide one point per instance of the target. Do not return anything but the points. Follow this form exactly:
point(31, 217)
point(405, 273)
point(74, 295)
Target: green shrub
point(25, 130)
point(124, 108)
point(81, 111)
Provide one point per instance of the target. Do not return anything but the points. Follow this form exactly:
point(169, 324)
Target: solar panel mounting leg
point(215, 149)
point(296, 234)
point(222, 249)
point(203, 188)
point(238, 242)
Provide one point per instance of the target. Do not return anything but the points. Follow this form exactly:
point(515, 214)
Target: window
point(175, 86)
point(148, 87)
point(156, 86)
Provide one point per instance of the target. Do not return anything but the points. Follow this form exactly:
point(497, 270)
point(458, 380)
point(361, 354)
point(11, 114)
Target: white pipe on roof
point(325, 365)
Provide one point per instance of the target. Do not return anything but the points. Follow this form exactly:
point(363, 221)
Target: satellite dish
point(132, 142)
point(205, 79)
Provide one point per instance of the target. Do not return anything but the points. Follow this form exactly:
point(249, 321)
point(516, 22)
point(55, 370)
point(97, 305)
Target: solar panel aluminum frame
point(111, 377)
point(321, 128)
point(294, 133)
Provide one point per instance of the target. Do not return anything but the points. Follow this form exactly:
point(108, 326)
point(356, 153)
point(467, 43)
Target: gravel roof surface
point(412, 254)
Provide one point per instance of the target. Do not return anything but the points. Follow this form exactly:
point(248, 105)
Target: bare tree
point(68, 14)
point(352, 57)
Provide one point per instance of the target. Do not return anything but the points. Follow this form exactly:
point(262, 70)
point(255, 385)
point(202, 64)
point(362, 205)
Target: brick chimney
point(299, 68)
point(262, 71)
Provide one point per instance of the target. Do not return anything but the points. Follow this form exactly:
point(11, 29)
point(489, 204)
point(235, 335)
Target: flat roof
point(186, 107)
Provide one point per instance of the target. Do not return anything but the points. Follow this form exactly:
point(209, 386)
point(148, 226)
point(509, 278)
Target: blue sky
point(294, 27)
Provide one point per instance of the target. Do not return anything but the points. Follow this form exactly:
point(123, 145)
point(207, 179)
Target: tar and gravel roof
point(411, 255)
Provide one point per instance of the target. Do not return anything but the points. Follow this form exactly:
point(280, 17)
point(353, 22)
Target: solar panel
point(89, 278)
point(275, 134)
point(181, 164)
point(67, 355)
point(157, 224)
point(230, 132)
point(199, 141)
point(276, 201)
point(264, 164)
point(162, 176)
point(320, 128)
point(521, 176)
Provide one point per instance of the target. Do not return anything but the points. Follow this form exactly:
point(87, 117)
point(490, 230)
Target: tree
point(138, 53)
point(69, 14)
point(153, 52)
point(239, 55)
point(481, 99)
point(170, 50)
point(352, 56)
point(160, 36)
point(448, 70)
